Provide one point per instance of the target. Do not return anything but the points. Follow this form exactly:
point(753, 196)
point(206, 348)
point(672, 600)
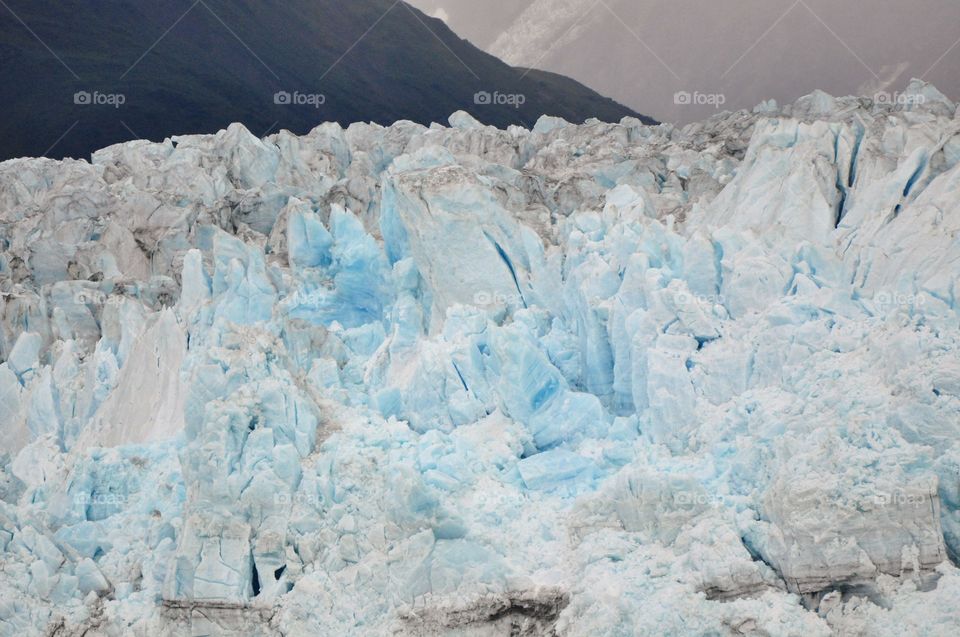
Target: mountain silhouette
point(79, 75)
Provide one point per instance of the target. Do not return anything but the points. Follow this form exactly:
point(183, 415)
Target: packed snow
point(598, 379)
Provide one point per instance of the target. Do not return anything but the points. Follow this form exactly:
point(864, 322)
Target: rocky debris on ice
point(577, 380)
point(526, 613)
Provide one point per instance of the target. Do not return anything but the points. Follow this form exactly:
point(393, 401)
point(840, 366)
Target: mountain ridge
point(153, 70)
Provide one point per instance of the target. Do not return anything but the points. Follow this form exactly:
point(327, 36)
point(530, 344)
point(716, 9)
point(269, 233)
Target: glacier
point(596, 379)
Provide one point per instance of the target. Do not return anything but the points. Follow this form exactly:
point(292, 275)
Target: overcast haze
point(642, 52)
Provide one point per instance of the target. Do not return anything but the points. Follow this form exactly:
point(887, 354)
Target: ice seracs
point(587, 379)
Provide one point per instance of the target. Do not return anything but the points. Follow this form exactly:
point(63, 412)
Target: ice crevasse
point(597, 379)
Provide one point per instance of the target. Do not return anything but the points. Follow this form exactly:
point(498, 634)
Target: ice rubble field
point(580, 380)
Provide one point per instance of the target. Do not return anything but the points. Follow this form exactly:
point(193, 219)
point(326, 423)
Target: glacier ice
point(603, 379)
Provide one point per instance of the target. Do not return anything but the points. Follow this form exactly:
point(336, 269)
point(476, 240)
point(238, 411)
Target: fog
point(722, 54)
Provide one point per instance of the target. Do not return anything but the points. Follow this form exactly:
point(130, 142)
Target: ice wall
point(596, 379)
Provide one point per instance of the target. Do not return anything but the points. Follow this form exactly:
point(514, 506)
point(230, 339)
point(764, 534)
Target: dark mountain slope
point(188, 66)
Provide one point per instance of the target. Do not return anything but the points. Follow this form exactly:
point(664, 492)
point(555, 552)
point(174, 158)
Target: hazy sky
point(644, 52)
point(480, 21)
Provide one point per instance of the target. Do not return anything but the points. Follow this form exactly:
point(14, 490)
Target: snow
point(583, 379)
